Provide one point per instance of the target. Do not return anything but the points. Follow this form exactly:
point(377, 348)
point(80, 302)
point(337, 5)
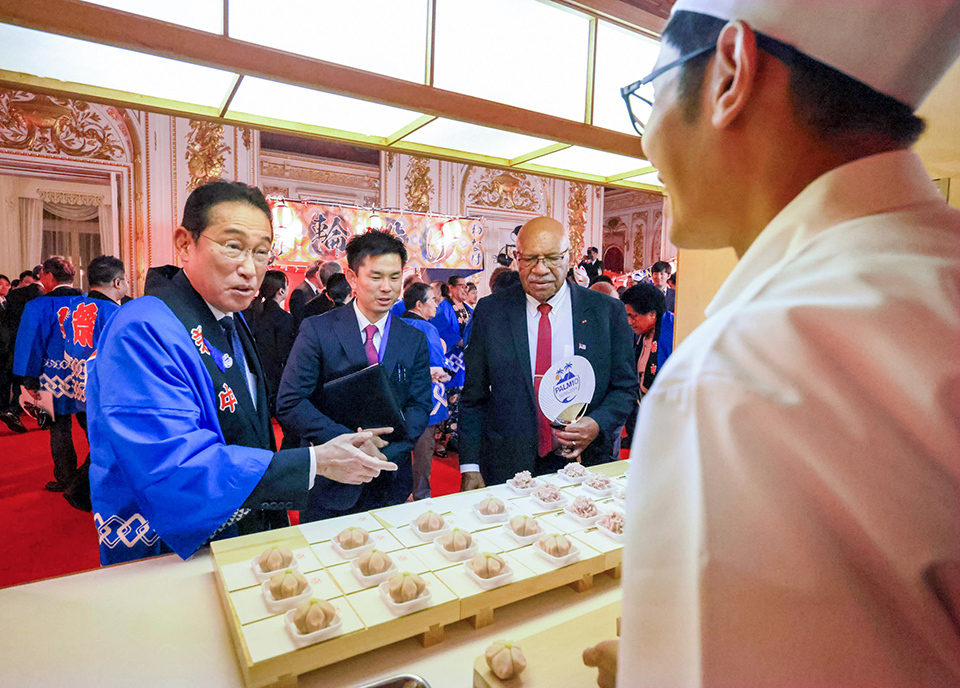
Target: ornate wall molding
point(577, 220)
point(418, 185)
point(639, 240)
point(59, 126)
point(629, 198)
point(506, 191)
point(287, 170)
point(205, 153)
point(68, 198)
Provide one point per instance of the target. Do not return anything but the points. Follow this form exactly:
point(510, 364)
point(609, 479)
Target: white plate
point(506, 575)
point(302, 640)
point(551, 506)
point(526, 490)
point(261, 576)
point(491, 518)
point(524, 539)
point(579, 519)
point(399, 609)
point(571, 557)
point(572, 481)
point(600, 493)
point(433, 534)
point(370, 581)
point(351, 553)
point(616, 537)
point(277, 606)
point(462, 555)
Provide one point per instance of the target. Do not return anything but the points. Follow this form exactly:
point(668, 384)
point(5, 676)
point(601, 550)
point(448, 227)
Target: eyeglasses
point(640, 94)
point(551, 261)
point(234, 250)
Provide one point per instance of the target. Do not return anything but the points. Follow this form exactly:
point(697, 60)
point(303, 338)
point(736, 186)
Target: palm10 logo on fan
point(567, 385)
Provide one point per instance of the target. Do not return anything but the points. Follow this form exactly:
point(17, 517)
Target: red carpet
point(46, 537)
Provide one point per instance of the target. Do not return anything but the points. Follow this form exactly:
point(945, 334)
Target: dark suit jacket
point(328, 347)
point(318, 305)
point(17, 300)
point(498, 408)
point(298, 299)
point(671, 299)
point(275, 332)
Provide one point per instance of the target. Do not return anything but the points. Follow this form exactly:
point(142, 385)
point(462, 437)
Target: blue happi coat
point(57, 335)
point(178, 446)
point(437, 348)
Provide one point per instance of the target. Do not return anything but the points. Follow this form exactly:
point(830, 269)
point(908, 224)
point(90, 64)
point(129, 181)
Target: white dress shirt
point(363, 322)
point(795, 476)
point(561, 330)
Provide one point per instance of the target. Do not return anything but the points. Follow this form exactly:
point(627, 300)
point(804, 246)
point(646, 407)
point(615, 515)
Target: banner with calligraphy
point(307, 230)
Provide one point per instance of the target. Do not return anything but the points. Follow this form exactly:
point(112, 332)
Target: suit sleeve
point(152, 411)
point(476, 389)
point(303, 372)
point(286, 336)
point(621, 394)
point(297, 302)
point(420, 403)
point(31, 343)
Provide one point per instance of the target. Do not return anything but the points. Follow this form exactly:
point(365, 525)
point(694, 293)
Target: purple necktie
point(372, 357)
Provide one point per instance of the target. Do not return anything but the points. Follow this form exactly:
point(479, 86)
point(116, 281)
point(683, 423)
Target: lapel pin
point(583, 322)
point(227, 361)
point(582, 347)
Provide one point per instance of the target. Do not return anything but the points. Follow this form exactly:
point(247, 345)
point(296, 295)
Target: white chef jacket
point(796, 465)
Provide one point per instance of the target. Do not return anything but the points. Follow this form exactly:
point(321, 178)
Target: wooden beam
point(133, 32)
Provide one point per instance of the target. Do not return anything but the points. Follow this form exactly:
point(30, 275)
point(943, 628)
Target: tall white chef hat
point(898, 47)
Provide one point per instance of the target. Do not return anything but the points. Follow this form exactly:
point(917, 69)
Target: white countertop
point(160, 622)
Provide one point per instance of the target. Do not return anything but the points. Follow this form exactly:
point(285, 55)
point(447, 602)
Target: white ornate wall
point(633, 222)
point(141, 166)
point(306, 178)
point(503, 199)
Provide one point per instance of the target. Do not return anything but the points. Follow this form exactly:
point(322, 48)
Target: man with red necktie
point(548, 319)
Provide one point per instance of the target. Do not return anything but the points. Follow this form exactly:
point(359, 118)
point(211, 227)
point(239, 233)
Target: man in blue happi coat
point(58, 333)
point(182, 446)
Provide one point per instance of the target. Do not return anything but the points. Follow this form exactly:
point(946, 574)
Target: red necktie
point(372, 357)
point(544, 358)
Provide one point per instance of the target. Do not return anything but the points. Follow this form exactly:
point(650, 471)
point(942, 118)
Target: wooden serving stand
point(267, 655)
point(554, 656)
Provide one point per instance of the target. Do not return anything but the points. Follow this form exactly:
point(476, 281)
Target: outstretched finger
point(372, 463)
point(378, 431)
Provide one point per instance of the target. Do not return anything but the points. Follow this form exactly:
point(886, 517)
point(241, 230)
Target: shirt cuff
point(313, 467)
point(469, 468)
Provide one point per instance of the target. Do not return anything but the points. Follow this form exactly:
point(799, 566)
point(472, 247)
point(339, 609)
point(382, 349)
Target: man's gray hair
point(328, 270)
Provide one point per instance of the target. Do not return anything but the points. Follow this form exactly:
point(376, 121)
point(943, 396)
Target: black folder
point(364, 399)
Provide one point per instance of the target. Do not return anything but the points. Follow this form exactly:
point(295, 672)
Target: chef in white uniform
point(793, 516)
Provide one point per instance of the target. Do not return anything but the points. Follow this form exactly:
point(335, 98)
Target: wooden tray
point(554, 656)
point(267, 656)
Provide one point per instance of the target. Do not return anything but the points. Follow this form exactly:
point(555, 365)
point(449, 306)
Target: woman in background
point(275, 331)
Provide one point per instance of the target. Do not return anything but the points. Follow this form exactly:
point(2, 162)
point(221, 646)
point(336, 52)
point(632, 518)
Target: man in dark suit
point(517, 333)
point(346, 340)
point(306, 290)
point(17, 300)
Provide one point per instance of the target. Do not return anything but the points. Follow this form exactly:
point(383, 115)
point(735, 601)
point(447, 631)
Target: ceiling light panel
point(472, 138)
point(382, 36)
point(623, 57)
point(273, 100)
point(521, 52)
point(589, 161)
point(205, 15)
point(68, 59)
point(648, 178)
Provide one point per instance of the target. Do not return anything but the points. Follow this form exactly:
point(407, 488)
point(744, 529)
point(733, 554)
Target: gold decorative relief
point(45, 124)
point(419, 185)
point(639, 241)
point(389, 160)
point(507, 190)
point(622, 199)
point(68, 198)
point(284, 170)
point(246, 136)
point(577, 220)
point(281, 191)
point(205, 153)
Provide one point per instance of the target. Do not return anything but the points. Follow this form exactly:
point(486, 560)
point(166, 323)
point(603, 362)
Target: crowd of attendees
point(442, 310)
